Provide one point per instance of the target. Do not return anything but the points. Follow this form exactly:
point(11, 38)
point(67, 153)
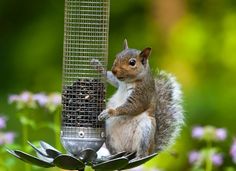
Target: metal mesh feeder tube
point(86, 26)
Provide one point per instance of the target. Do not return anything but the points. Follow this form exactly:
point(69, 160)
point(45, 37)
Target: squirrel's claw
point(104, 115)
point(95, 62)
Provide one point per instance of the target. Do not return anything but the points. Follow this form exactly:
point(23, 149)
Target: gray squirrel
point(145, 114)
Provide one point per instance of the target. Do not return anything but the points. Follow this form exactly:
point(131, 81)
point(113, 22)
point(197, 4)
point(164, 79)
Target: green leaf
point(26, 121)
point(229, 169)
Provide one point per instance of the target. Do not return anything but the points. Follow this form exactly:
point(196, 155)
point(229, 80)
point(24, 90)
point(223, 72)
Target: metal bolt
point(81, 134)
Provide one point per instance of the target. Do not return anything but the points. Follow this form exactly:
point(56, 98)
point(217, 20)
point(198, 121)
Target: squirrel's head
point(131, 64)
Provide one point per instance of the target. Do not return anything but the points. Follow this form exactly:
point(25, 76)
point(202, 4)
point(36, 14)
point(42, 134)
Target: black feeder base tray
point(48, 156)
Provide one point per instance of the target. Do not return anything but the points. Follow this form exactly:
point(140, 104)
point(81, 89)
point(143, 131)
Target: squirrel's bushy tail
point(169, 114)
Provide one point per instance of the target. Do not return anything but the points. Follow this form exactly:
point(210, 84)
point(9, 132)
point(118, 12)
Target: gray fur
point(169, 113)
point(145, 142)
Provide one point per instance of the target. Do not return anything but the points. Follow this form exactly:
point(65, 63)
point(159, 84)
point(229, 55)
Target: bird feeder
point(86, 28)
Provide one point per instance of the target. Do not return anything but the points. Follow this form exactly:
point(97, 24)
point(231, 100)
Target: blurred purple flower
point(233, 151)
point(217, 159)
point(56, 98)
point(2, 122)
point(197, 132)
point(221, 134)
point(7, 138)
point(41, 99)
point(193, 157)
point(13, 98)
point(25, 96)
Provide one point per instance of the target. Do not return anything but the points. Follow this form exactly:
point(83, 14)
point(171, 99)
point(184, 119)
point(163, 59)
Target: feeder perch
point(86, 27)
point(48, 156)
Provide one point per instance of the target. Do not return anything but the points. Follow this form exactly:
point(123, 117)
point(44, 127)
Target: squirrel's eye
point(132, 62)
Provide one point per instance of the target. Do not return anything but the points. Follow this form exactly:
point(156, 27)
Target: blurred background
point(193, 39)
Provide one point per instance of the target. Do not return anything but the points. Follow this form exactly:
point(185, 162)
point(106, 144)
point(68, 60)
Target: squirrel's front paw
point(106, 114)
point(95, 62)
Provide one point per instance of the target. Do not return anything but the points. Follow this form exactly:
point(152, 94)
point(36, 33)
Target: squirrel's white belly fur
point(124, 131)
point(121, 95)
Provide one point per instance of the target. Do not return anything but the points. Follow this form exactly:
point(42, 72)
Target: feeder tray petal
point(52, 157)
point(40, 151)
point(32, 160)
point(130, 156)
point(106, 158)
point(120, 154)
point(68, 162)
point(14, 154)
point(138, 162)
point(88, 155)
point(46, 159)
point(46, 146)
point(114, 164)
point(52, 153)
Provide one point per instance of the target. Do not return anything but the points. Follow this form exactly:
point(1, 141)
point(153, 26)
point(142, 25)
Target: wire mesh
point(86, 26)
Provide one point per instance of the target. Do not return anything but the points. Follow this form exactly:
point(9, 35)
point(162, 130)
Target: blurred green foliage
point(193, 39)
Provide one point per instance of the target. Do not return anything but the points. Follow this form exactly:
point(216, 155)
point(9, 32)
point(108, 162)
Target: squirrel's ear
point(145, 54)
point(125, 44)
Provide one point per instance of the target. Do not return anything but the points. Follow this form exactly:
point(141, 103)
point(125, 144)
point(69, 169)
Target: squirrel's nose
point(114, 71)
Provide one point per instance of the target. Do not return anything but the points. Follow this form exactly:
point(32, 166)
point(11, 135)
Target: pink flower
point(217, 159)
point(41, 99)
point(193, 157)
point(2, 122)
point(25, 96)
point(221, 134)
point(233, 151)
point(197, 132)
point(13, 98)
point(56, 99)
point(9, 137)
